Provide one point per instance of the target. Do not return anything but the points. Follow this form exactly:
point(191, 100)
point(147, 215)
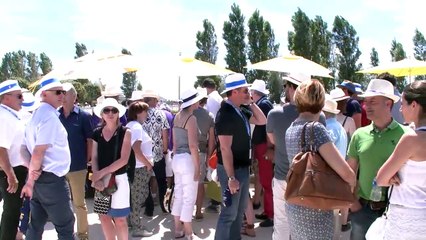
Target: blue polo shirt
point(79, 127)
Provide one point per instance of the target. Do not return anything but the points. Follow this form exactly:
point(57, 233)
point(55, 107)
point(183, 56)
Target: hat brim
point(151, 96)
point(232, 88)
point(394, 98)
point(334, 111)
point(98, 109)
point(192, 101)
point(340, 98)
point(265, 91)
point(294, 81)
point(31, 108)
point(47, 87)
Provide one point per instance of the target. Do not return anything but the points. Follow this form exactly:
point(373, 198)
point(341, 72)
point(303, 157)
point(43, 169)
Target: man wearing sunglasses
point(13, 171)
point(79, 128)
point(46, 147)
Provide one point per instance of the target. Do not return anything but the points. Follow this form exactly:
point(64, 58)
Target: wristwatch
point(231, 178)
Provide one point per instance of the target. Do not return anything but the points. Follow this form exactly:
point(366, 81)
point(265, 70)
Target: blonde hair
point(310, 96)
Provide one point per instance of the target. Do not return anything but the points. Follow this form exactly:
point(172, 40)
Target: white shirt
point(138, 134)
point(45, 128)
point(214, 101)
point(11, 134)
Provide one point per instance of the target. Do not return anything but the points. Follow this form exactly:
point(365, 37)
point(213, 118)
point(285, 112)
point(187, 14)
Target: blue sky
point(160, 29)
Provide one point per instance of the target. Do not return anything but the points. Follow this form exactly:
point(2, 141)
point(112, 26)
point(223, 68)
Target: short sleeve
point(136, 130)
point(321, 135)
point(211, 120)
point(352, 149)
point(353, 107)
point(164, 119)
point(6, 130)
point(47, 131)
point(96, 134)
point(270, 122)
point(87, 126)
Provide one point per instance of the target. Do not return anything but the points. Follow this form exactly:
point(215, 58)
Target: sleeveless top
point(181, 138)
point(412, 190)
point(109, 151)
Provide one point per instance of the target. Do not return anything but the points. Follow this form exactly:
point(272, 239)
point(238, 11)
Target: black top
point(352, 107)
point(259, 132)
point(107, 149)
point(230, 123)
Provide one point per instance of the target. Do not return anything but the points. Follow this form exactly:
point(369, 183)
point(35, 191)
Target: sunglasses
point(108, 110)
point(18, 96)
point(58, 92)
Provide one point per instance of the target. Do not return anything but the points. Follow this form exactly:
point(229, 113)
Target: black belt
point(375, 206)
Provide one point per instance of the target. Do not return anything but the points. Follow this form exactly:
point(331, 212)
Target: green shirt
point(371, 148)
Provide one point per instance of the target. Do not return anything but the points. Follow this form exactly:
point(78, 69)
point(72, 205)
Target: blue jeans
point(362, 220)
point(51, 199)
point(231, 218)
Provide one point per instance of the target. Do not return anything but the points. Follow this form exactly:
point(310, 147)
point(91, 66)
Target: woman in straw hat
point(110, 155)
point(405, 169)
point(185, 163)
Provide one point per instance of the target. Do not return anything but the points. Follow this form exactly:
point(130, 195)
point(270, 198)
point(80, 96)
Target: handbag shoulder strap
point(303, 140)
point(387, 204)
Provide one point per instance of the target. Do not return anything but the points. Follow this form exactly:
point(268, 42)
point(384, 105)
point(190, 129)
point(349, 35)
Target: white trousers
point(185, 190)
point(281, 228)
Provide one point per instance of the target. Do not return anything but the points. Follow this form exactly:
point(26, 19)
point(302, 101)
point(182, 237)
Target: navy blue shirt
point(259, 132)
point(352, 107)
point(79, 127)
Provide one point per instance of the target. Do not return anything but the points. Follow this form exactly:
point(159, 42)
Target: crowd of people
point(52, 152)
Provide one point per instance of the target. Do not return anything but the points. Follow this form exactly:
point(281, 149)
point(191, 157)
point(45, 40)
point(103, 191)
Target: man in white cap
point(234, 147)
point(336, 130)
point(46, 147)
point(79, 128)
point(265, 168)
point(279, 119)
point(13, 170)
point(369, 148)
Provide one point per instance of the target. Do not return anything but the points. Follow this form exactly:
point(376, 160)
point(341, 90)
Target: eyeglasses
point(18, 96)
point(108, 110)
point(58, 92)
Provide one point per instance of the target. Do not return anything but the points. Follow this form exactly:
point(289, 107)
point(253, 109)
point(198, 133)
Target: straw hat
point(330, 105)
point(234, 81)
point(109, 102)
point(297, 78)
point(190, 96)
point(151, 94)
point(337, 94)
point(136, 95)
point(111, 91)
point(380, 87)
point(259, 85)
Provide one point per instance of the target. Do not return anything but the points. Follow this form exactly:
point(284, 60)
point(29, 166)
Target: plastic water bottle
point(376, 192)
point(227, 197)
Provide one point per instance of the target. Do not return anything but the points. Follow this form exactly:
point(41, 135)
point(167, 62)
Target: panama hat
point(297, 78)
point(337, 94)
point(260, 86)
point(202, 92)
point(330, 105)
point(190, 96)
point(9, 86)
point(380, 87)
point(109, 102)
point(136, 95)
point(111, 91)
point(29, 103)
point(234, 81)
point(47, 84)
point(150, 94)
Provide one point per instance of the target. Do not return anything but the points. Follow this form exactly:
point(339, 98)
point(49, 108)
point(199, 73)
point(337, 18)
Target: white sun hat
point(260, 86)
point(47, 84)
point(190, 96)
point(9, 86)
point(29, 103)
point(234, 81)
point(109, 102)
point(150, 94)
point(337, 94)
point(380, 87)
point(330, 105)
point(136, 95)
point(297, 78)
point(111, 91)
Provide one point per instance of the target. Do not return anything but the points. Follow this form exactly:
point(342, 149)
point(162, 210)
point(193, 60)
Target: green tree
point(346, 41)
point(261, 44)
point(80, 50)
point(299, 41)
point(419, 49)
point(234, 35)
point(32, 70)
point(275, 87)
point(207, 43)
point(374, 57)
point(397, 53)
point(130, 83)
point(45, 64)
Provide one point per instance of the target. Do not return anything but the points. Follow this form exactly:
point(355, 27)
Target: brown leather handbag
point(312, 183)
